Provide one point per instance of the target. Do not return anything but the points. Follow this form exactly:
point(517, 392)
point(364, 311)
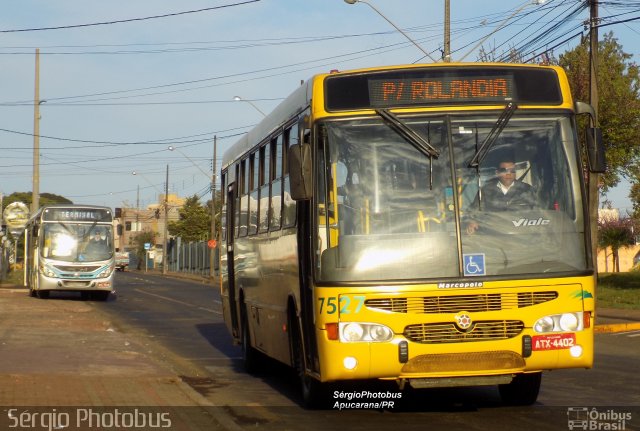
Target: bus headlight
point(353, 332)
point(106, 272)
point(565, 322)
point(46, 271)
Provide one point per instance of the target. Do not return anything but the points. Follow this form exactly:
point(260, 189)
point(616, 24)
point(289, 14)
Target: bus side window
point(265, 176)
point(288, 204)
point(243, 184)
point(253, 193)
point(223, 211)
point(321, 197)
point(276, 184)
point(237, 205)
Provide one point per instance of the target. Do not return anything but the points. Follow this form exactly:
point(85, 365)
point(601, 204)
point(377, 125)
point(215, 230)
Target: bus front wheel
point(312, 390)
point(522, 391)
point(250, 358)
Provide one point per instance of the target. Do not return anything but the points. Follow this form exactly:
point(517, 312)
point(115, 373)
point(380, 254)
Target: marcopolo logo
point(585, 418)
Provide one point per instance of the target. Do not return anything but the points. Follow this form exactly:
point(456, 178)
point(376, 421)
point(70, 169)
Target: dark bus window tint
point(244, 198)
point(253, 194)
point(223, 211)
point(237, 203)
point(263, 197)
point(288, 204)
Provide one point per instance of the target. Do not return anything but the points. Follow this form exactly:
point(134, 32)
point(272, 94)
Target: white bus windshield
point(386, 211)
point(76, 242)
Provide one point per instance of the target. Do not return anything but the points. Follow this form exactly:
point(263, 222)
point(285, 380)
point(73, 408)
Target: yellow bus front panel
point(434, 332)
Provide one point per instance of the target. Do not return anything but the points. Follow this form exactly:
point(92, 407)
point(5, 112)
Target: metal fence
point(192, 258)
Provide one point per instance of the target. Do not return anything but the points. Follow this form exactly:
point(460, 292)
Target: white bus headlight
point(544, 325)
point(569, 322)
point(47, 271)
point(352, 332)
point(106, 272)
point(565, 322)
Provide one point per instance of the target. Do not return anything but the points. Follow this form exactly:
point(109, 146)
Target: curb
point(617, 327)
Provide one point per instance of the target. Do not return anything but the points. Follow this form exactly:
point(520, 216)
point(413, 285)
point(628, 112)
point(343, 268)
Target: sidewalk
point(64, 355)
point(617, 320)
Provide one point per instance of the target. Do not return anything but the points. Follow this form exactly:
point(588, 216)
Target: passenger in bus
point(97, 244)
point(503, 193)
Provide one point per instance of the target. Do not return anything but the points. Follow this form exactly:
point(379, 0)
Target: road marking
point(166, 298)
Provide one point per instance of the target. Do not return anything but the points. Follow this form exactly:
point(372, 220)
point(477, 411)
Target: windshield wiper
point(491, 138)
point(408, 134)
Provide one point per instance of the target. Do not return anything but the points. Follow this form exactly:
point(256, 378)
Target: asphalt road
point(183, 318)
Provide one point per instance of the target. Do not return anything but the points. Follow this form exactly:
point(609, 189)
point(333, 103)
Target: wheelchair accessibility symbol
point(474, 264)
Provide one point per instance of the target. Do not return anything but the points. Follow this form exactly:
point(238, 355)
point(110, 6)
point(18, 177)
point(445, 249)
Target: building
point(131, 221)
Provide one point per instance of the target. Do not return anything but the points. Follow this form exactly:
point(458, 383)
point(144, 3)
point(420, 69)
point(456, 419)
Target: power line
point(64, 27)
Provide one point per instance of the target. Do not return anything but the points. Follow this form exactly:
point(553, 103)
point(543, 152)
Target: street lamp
point(394, 26)
point(501, 25)
point(240, 99)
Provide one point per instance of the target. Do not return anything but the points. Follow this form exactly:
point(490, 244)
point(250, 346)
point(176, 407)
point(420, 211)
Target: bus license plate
point(553, 342)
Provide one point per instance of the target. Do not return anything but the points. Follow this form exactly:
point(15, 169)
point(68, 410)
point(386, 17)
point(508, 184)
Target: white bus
point(70, 248)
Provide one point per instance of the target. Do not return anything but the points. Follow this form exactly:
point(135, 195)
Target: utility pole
point(166, 224)
point(212, 270)
point(594, 178)
point(35, 193)
point(446, 55)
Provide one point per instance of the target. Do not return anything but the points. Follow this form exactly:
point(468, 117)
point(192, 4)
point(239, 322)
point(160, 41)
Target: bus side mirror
point(595, 151)
point(595, 146)
point(299, 157)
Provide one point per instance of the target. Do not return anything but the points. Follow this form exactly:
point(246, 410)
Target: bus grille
point(76, 269)
point(456, 303)
point(447, 332)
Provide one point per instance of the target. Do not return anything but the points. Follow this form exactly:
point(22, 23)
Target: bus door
point(231, 278)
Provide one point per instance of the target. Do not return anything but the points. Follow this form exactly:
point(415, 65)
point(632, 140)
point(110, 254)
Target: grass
point(619, 290)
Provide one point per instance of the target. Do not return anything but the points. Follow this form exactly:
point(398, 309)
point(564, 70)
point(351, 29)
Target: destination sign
point(383, 92)
point(77, 214)
point(481, 85)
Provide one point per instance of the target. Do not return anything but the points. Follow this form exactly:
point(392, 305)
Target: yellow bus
point(360, 241)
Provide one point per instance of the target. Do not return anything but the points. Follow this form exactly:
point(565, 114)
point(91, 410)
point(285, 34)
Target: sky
point(121, 81)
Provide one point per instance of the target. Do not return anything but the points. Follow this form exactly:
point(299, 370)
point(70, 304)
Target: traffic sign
point(147, 245)
point(212, 243)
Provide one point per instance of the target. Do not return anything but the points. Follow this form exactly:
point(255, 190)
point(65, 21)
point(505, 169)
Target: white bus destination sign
point(70, 214)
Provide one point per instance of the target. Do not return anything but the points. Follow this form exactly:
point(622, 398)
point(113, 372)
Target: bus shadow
point(65, 295)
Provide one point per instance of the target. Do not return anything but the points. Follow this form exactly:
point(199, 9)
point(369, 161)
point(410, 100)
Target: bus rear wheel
point(522, 391)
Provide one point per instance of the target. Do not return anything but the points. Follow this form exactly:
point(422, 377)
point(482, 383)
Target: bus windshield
point(76, 242)
point(387, 211)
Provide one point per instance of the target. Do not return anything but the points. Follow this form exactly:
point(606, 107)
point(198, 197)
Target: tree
point(139, 241)
point(618, 81)
point(25, 198)
point(615, 234)
point(194, 223)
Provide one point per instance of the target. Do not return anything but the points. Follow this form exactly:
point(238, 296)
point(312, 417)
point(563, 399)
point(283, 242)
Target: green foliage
point(25, 198)
point(618, 81)
point(194, 223)
point(140, 240)
point(615, 234)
